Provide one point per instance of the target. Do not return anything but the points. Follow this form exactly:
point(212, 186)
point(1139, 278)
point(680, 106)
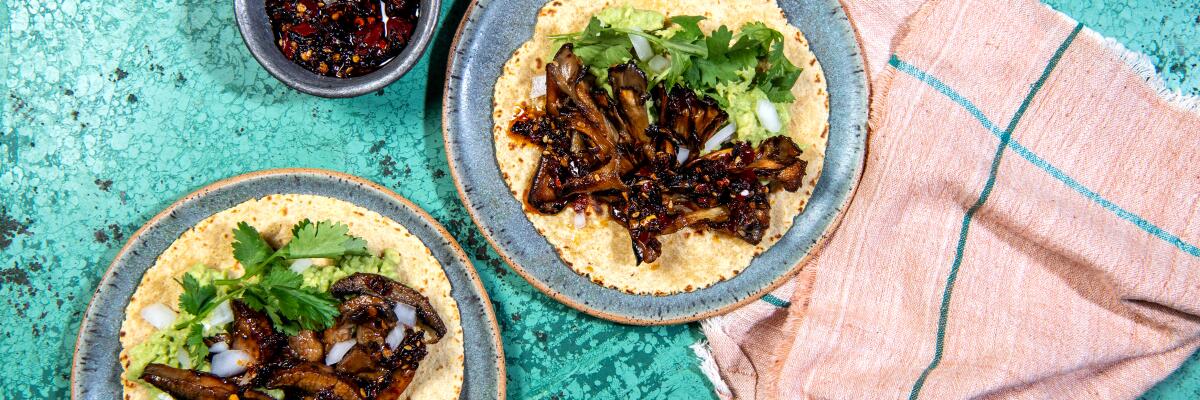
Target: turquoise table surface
point(114, 109)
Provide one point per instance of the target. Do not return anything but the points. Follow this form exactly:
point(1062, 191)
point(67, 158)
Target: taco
point(660, 145)
point(293, 296)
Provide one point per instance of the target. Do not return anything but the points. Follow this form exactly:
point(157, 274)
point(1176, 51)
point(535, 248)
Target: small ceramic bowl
point(260, 39)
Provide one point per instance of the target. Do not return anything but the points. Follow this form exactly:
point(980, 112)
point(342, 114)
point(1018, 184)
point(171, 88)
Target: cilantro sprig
point(268, 285)
point(753, 55)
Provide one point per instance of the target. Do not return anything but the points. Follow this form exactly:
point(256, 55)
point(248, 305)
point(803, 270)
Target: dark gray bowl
point(493, 29)
point(96, 371)
point(260, 39)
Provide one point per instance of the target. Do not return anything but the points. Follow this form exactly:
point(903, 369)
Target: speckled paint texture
point(114, 109)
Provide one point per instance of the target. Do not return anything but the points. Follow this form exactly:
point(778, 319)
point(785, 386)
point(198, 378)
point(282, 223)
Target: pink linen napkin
point(1026, 225)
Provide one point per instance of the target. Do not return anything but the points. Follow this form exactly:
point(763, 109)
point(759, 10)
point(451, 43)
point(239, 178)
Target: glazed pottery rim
point(259, 38)
point(453, 246)
point(796, 266)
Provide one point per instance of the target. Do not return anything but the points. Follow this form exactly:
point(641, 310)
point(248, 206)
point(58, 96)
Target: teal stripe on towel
point(1005, 137)
point(945, 89)
point(775, 301)
point(1039, 162)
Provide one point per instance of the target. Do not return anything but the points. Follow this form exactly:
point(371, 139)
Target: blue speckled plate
point(489, 34)
point(96, 372)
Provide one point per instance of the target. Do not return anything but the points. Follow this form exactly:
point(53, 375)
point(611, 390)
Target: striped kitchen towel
point(1026, 225)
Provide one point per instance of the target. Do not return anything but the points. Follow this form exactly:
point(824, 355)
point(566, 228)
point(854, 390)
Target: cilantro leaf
point(757, 36)
point(195, 336)
point(249, 248)
point(282, 277)
point(689, 28)
point(778, 79)
point(718, 43)
point(268, 285)
point(194, 345)
point(195, 297)
point(324, 239)
point(750, 58)
point(290, 305)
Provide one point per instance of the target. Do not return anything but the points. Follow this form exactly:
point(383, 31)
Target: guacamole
point(321, 277)
point(743, 101)
point(630, 18)
point(164, 346)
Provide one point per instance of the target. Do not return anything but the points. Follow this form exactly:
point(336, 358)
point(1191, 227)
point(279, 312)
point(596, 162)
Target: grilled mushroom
point(382, 286)
point(605, 148)
point(305, 346)
point(252, 332)
point(690, 119)
point(186, 384)
point(366, 307)
point(314, 380)
point(408, 356)
point(630, 92)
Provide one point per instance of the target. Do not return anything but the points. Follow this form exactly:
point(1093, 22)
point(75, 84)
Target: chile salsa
point(342, 38)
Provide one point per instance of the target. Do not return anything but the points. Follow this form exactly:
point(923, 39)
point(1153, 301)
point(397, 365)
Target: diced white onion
point(219, 316)
point(768, 116)
point(641, 46)
point(159, 315)
point(539, 86)
point(658, 64)
point(338, 351)
point(185, 360)
point(405, 314)
point(682, 154)
point(229, 363)
point(394, 337)
point(580, 220)
point(301, 265)
point(721, 136)
point(218, 347)
point(164, 396)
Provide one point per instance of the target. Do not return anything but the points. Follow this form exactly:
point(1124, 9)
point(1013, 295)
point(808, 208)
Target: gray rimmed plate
point(486, 38)
point(95, 372)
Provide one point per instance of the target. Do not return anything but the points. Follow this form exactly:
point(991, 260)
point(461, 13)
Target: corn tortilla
point(691, 259)
point(439, 375)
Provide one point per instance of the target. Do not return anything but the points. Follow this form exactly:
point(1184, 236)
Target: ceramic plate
point(486, 38)
point(96, 372)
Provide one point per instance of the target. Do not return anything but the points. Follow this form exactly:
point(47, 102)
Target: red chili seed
point(330, 33)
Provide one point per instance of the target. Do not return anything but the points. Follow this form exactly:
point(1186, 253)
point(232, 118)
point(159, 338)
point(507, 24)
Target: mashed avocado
point(632, 19)
point(742, 102)
point(164, 346)
point(321, 277)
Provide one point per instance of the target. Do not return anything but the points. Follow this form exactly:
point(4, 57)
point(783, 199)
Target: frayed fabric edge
point(1143, 67)
point(708, 364)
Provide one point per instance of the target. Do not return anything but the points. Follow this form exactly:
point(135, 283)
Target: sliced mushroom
point(630, 92)
point(690, 120)
point(341, 331)
point(366, 307)
point(370, 360)
point(778, 158)
point(305, 346)
point(252, 332)
point(408, 356)
point(186, 384)
point(382, 286)
point(360, 364)
point(314, 380)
